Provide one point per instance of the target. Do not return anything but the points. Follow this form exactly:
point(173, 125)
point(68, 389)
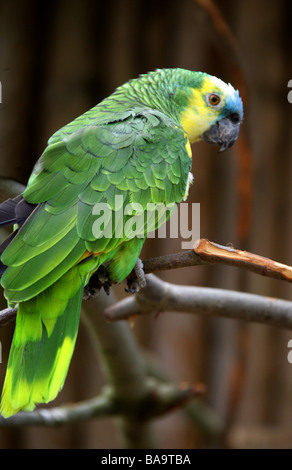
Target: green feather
point(32, 270)
point(91, 196)
point(16, 296)
point(44, 186)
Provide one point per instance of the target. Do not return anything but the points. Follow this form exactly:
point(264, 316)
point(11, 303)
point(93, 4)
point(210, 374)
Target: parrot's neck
point(164, 90)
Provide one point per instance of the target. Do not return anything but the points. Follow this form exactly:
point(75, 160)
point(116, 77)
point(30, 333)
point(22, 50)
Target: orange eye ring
point(214, 99)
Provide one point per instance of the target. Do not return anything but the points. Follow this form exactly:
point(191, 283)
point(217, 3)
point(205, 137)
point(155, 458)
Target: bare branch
point(123, 367)
point(130, 394)
point(203, 416)
point(159, 296)
point(137, 398)
point(206, 252)
point(162, 398)
point(7, 315)
point(213, 253)
point(96, 407)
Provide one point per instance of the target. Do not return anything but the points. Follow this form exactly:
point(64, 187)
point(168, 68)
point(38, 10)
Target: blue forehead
point(233, 104)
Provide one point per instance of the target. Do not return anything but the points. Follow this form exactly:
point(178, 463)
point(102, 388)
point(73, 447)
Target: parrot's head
point(213, 112)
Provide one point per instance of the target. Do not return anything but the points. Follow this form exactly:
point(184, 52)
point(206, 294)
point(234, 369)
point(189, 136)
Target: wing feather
point(132, 160)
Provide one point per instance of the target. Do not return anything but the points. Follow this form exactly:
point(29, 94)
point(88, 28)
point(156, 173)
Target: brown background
point(58, 59)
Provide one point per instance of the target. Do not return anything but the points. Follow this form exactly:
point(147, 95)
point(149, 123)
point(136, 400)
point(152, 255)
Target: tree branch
point(163, 397)
point(204, 252)
point(7, 315)
point(159, 296)
point(123, 367)
point(213, 253)
point(131, 393)
point(96, 407)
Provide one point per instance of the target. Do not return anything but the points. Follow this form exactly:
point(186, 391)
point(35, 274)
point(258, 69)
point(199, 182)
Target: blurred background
point(60, 58)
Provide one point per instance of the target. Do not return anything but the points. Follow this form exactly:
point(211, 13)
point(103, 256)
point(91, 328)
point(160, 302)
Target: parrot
point(135, 144)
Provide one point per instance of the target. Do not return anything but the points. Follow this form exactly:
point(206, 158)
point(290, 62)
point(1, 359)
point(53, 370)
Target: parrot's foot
point(136, 283)
point(99, 279)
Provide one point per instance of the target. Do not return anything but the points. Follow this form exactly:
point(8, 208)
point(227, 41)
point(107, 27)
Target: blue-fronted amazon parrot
point(134, 144)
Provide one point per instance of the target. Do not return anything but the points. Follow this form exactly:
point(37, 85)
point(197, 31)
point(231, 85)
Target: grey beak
point(223, 132)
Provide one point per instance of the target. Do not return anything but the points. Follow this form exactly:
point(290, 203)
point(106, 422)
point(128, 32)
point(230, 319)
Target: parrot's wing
point(143, 159)
point(146, 162)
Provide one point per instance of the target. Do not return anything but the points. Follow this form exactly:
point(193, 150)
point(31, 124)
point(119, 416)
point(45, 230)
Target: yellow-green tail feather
point(43, 344)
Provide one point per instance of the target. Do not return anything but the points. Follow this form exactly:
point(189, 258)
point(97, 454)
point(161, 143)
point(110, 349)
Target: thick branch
point(131, 394)
point(212, 253)
point(137, 398)
point(123, 367)
point(7, 315)
point(159, 296)
point(96, 407)
point(206, 252)
point(163, 398)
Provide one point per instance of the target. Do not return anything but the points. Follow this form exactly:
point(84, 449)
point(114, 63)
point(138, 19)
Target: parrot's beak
point(223, 132)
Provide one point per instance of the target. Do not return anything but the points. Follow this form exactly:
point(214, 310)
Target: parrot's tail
point(43, 344)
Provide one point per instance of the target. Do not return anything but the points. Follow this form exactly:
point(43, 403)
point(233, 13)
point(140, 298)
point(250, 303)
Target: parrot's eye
point(214, 99)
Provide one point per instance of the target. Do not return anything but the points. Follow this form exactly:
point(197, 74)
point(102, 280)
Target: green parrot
point(135, 144)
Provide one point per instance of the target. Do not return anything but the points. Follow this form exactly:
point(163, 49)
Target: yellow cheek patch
point(197, 116)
